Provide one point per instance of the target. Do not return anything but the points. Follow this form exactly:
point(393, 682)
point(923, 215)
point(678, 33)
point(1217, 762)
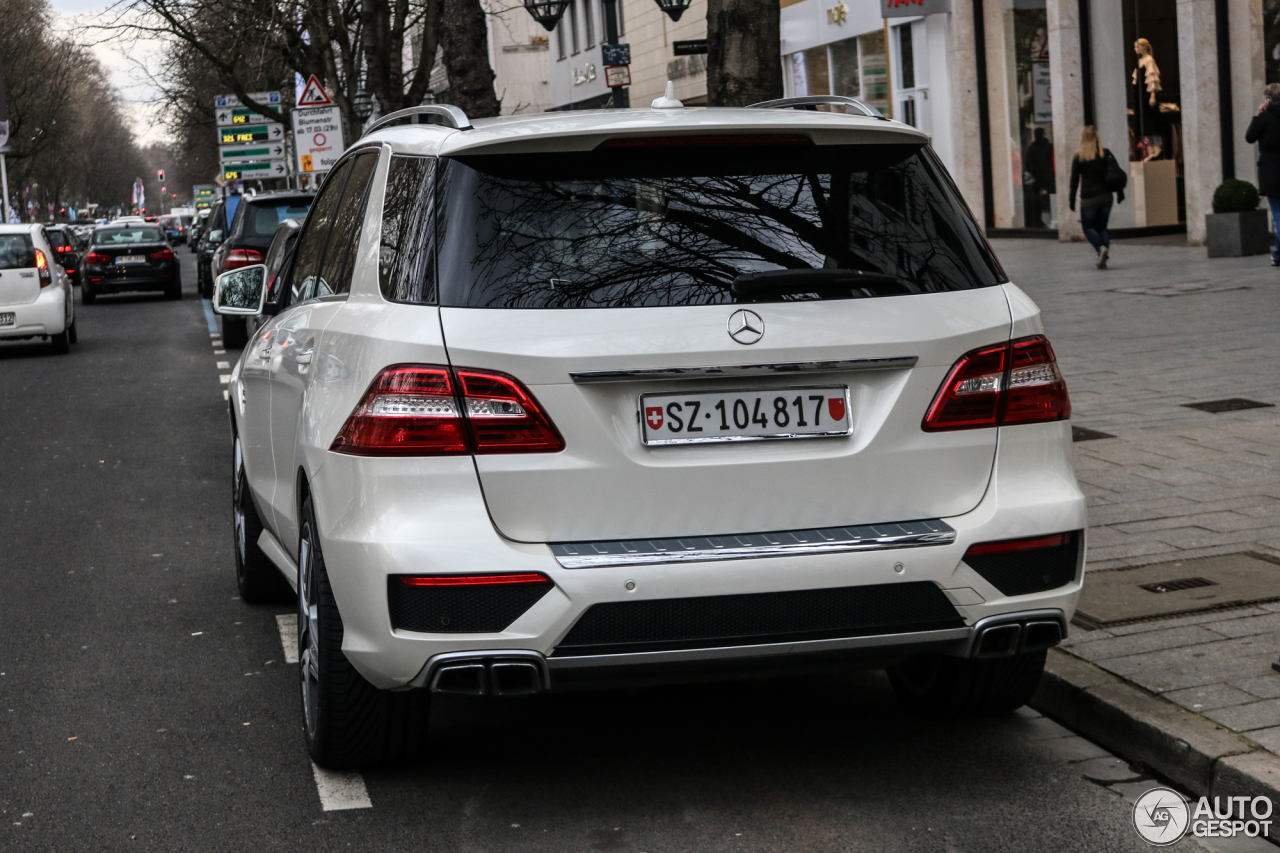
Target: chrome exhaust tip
point(1017, 633)
point(1037, 636)
point(514, 673)
point(998, 641)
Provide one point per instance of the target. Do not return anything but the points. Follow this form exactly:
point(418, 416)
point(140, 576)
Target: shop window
point(846, 78)
point(907, 57)
point(1035, 188)
point(874, 71)
point(810, 73)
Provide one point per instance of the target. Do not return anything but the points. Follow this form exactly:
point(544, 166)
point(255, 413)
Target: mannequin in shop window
point(1146, 83)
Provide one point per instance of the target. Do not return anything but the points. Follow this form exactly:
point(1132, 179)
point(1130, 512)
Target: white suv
point(554, 399)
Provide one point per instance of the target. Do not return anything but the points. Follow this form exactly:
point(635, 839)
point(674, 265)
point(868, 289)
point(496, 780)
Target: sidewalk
point(1166, 327)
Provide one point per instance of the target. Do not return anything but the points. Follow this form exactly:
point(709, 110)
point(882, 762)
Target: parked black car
point(236, 331)
point(254, 226)
point(212, 234)
point(128, 257)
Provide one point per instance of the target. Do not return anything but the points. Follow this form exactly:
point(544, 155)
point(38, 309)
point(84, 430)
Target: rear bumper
point(47, 315)
point(376, 519)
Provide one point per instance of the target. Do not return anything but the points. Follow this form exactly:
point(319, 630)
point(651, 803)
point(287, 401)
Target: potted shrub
point(1237, 225)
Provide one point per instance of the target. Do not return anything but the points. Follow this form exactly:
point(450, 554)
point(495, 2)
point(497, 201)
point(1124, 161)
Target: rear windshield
point(124, 236)
point(261, 219)
point(702, 226)
point(16, 251)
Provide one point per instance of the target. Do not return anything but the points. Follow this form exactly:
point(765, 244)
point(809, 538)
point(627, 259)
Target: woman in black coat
point(1089, 174)
point(1265, 130)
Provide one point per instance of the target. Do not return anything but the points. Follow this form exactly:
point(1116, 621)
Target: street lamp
point(362, 105)
point(673, 8)
point(547, 12)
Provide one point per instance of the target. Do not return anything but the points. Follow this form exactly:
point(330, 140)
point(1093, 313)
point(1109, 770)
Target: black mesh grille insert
point(1025, 572)
point(460, 609)
point(770, 617)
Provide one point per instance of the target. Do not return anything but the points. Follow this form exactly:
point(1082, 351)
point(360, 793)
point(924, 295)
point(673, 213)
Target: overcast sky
point(125, 72)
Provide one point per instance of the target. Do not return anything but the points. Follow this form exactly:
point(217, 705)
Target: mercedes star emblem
point(745, 326)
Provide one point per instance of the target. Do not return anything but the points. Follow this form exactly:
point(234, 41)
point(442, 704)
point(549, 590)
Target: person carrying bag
point(1096, 174)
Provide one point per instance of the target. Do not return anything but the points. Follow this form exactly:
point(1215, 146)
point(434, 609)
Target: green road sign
point(233, 116)
point(246, 171)
point(251, 153)
point(270, 132)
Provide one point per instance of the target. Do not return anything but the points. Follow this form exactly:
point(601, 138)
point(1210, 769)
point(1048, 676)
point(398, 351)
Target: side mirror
point(215, 236)
point(69, 260)
point(240, 291)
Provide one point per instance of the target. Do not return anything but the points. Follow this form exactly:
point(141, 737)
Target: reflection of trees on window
point(340, 256)
point(405, 263)
point(624, 242)
point(241, 289)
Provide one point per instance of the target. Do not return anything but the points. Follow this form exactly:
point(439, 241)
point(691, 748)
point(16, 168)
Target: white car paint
point(38, 311)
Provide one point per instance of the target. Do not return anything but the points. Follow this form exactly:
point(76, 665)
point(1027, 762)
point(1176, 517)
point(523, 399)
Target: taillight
point(97, 258)
point(162, 255)
point(1013, 383)
point(42, 267)
point(1057, 540)
point(474, 580)
point(241, 258)
point(427, 410)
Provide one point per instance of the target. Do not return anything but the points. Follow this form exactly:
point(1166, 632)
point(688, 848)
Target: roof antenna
point(668, 100)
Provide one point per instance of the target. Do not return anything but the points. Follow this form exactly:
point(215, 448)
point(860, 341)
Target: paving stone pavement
point(1162, 328)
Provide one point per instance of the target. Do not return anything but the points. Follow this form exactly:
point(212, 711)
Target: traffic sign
point(232, 116)
point(248, 171)
point(269, 132)
point(617, 75)
point(271, 98)
point(693, 47)
point(251, 153)
point(314, 95)
point(615, 54)
point(317, 134)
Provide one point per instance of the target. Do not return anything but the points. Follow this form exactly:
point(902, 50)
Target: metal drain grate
point(1079, 433)
point(1174, 586)
point(1231, 404)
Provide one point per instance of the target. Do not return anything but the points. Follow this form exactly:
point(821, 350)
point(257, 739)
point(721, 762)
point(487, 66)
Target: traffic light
point(161, 174)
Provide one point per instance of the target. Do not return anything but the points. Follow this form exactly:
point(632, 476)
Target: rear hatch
point(19, 279)
point(613, 284)
point(130, 253)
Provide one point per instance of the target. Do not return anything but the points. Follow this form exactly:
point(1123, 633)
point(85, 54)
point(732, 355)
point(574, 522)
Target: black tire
point(235, 332)
point(259, 580)
point(947, 687)
point(71, 332)
point(61, 342)
point(174, 289)
point(348, 723)
point(87, 295)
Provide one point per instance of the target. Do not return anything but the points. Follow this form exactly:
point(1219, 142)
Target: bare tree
point(744, 52)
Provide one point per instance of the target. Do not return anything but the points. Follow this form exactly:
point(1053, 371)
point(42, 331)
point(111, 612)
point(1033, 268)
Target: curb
point(1195, 753)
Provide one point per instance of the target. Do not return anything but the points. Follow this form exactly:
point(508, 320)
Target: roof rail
point(812, 102)
point(453, 117)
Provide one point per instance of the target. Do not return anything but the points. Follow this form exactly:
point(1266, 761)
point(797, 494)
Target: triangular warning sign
point(314, 94)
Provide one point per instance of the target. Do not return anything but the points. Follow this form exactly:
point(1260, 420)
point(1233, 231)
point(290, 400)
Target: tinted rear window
point(704, 225)
point(125, 236)
point(261, 219)
point(16, 251)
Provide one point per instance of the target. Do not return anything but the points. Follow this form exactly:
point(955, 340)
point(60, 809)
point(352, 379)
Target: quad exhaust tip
point(1007, 638)
point(488, 674)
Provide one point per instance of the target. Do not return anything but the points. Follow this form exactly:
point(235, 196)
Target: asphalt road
point(144, 707)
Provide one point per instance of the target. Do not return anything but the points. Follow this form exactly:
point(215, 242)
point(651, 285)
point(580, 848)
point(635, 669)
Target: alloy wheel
point(237, 508)
point(308, 631)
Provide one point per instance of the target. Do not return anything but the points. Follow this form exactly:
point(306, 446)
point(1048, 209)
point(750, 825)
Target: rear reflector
point(631, 142)
point(472, 580)
point(1013, 383)
point(433, 410)
point(1054, 541)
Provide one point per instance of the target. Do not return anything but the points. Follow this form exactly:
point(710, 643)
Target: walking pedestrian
point(1088, 174)
point(1265, 130)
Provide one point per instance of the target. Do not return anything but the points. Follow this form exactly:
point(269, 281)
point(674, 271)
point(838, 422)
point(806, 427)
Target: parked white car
point(551, 399)
point(36, 299)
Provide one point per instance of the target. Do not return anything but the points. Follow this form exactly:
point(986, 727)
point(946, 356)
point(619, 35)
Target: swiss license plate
point(6, 319)
point(131, 259)
point(745, 415)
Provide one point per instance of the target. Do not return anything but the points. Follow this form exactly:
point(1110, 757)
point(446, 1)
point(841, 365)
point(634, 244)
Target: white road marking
point(219, 351)
point(288, 625)
point(226, 395)
point(340, 791)
point(224, 365)
point(224, 378)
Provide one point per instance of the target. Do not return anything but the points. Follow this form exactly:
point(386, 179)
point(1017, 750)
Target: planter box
point(1234, 235)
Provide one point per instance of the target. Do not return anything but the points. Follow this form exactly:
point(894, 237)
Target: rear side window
point(406, 263)
point(703, 225)
point(262, 218)
point(315, 236)
point(16, 251)
point(340, 256)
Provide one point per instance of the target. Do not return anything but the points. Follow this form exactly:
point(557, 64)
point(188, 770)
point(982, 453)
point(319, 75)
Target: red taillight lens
point(473, 580)
point(1002, 385)
point(237, 258)
point(97, 258)
point(1055, 541)
point(42, 267)
point(428, 410)
point(504, 417)
point(162, 255)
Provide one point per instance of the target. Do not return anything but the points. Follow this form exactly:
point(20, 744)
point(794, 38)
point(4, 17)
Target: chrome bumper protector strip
point(646, 374)
point(750, 546)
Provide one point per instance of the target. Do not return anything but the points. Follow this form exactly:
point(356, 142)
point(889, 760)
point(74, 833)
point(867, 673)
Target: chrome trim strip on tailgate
point(644, 374)
point(748, 546)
